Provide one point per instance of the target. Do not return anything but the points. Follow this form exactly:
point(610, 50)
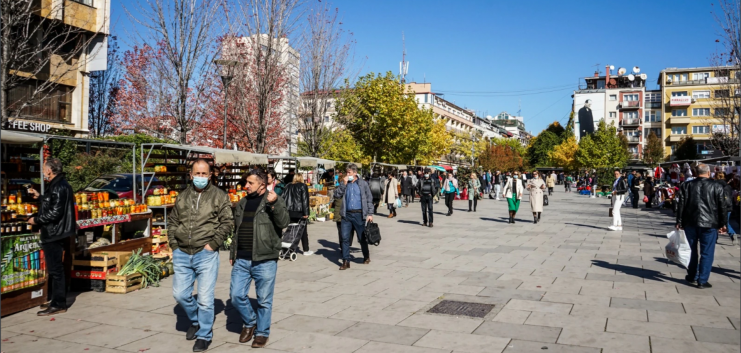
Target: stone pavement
point(565, 285)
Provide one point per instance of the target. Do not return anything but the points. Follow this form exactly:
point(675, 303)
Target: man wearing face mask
point(426, 187)
point(199, 223)
point(56, 218)
point(357, 209)
point(259, 220)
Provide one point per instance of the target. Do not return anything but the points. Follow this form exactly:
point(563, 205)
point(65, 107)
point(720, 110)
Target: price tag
point(37, 294)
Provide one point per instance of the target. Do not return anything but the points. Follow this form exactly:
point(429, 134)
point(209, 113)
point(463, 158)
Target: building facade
point(697, 102)
point(63, 105)
point(514, 126)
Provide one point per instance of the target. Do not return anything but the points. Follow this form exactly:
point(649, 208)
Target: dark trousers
point(634, 199)
point(649, 204)
point(409, 198)
point(376, 202)
point(353, 222)
point(57, 291)
point(474, 203)
point(449, 197)
point(705, 239)
point(305, 236)
point(426, 201)
point(550, 191)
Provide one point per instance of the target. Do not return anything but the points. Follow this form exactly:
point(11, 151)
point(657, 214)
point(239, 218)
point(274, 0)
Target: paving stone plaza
point(566, 284)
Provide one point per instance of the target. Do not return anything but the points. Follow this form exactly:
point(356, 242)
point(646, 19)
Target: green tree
point(384, 119)
point(602, 150)
point(541, 146)
point(569, 127)
point(556, 128)
point(653, 153)
point(687, 149)
point(339, 145)
point(564, 155)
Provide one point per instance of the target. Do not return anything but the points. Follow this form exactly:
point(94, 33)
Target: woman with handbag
point(390, 194)
point(648, 191)
point(513, 192)
point(296, 196)
point(474, 184)
point(536, 187)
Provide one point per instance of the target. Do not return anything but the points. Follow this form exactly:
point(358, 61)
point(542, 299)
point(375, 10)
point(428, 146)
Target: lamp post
point(227, 74)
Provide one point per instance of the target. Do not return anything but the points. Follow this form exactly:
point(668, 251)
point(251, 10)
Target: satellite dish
point(644, 77)
point(631, 77)
point(621, 71)
point(669, 80)
point(612, 67)
point(488, 117)
point(636, 69)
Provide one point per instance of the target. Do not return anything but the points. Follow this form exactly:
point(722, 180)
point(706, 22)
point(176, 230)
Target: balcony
point(630, 122)
point(634, 155)
point(632, 139)
point(681, 101)
point(704, 81)
point(676, 137)
point(653, 105)
point(629, 105)
point(679, 120)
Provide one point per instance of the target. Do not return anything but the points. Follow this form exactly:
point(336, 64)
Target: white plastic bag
point(678, 249)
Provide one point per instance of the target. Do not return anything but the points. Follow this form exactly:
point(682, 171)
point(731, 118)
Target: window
point(55, 104)
point(700, 111)
point(679, 130)
point(674, 148)
point(679, 94)
point(721, 112)
point(613, 97)
point(86, 2)
point(653, 97)
point(696, 76)
point(656, 131)
point(701, 129)
point(653, 116)
point(630, 115)
point(701, 94)
point(426, 95)
point(630, 97)
point(679, 112)
point(613, 114)
point(723, 129)
point(702, 146)
point(683, 77)
point(326, 119)
point(722, 93)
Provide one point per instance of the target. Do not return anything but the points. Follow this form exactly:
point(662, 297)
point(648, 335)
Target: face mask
point(516, 177)
point(427, 176)
point(350, 178)
point(200, 182)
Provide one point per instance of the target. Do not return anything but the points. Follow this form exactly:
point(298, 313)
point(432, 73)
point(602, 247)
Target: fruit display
point(97, 205)
point(162, 197)
point(237, 194)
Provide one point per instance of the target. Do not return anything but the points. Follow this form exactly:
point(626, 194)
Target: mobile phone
point(28, 186)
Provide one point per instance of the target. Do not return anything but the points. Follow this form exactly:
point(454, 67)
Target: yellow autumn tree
point(467, 146)
point(438, 144)
point(564, 154)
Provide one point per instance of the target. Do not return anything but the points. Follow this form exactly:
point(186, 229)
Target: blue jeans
point(263, 272)
point(731, 231)
point(353, 221)
point(706, 237)
point(203, 267)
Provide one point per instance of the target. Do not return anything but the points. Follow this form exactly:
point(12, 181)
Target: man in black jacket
point(427, 189)
point(701, 211)
point(376, 187)
point(56, 218)
point(635, 187)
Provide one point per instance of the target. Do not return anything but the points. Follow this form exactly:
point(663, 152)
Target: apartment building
point(514, 125)
point(618, 98)
point(63, 105)
point(697, 102)
point(456, 118)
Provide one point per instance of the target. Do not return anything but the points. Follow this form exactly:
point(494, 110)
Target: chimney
point(596, 74)
point(607, 76)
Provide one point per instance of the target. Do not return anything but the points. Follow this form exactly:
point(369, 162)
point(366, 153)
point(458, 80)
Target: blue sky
point(507, 46)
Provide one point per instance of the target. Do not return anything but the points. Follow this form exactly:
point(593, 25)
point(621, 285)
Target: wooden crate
point(109, 260)
point(123, 284)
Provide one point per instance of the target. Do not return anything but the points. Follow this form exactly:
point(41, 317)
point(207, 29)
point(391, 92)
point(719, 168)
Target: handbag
point(372, 233)
point(610, 211)
point(545, 200)
point(645, 199)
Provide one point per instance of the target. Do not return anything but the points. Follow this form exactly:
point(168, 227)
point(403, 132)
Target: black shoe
point(430, 225)
point(704, 285)
point(425, 224)
point(538, 216)
point(535, 220)
point(191, 334)
point(513, 220)
point(201, 345)
point(51, 311)
point(469, 210)
point(690, 280)
point(448, 214)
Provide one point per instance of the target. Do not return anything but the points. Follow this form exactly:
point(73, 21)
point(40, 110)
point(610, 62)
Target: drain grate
point(456, 308)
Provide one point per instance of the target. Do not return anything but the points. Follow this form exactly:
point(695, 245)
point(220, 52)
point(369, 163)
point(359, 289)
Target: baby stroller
point(290, 239)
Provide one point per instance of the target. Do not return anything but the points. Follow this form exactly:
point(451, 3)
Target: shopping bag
point(372, 234)
point(398, 202)
point(678, 250)
point(645, 199)
point(610, 215)
point(545, 200)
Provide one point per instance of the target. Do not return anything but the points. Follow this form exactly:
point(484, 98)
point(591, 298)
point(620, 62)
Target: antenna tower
point(404, 64)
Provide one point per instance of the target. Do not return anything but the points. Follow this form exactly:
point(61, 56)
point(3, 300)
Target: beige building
point(697, 102)
point(457, 118)
point(65, 107)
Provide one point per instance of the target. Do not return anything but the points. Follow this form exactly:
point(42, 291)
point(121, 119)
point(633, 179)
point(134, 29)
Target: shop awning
point(308, 161)
point(447, 167)
point(23, 138)
point(327, 163)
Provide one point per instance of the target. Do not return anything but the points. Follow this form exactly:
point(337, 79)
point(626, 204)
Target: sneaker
point(612, 228)
point(734, 239)
point(308, 253)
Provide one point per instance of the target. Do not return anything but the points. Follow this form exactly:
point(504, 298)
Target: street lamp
point(227, 74)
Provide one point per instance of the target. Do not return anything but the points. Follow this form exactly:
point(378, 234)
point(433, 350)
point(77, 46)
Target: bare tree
point(39, 51)
point(325, 60)
point(272, 71)
point(184, 34)
point(104, 94)
point(727, 97)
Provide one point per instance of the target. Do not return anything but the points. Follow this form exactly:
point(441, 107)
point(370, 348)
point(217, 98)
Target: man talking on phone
point(357, 209)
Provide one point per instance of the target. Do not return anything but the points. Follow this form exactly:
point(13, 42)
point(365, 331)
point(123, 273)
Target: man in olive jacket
point(259, 220)
point(197, 227)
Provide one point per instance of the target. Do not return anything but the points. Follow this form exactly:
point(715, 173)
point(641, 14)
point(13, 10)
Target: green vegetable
point(147, 266)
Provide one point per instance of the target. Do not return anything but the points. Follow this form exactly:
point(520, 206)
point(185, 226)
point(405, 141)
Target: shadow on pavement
point(409, 222)
point(184, 323)
point(638, 272)
point(502, 220)
point(586, 225)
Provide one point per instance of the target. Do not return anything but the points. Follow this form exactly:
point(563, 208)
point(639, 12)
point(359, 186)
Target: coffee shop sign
point(28, 126)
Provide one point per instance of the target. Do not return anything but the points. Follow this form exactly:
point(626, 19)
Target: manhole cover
point(451, 307)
